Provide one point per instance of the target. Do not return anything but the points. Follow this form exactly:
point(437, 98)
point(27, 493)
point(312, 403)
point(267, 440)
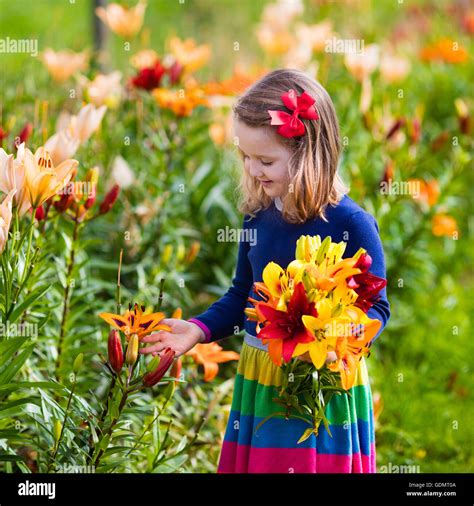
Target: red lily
point(149, 77)
point(285, 329)
point(366, 285)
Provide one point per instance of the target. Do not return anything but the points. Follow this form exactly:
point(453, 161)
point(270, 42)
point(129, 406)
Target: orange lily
point(350, 348)
point(209, 355)
point(135, 321)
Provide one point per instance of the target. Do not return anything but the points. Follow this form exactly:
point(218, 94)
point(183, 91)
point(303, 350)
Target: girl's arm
point(364, 232)
point(226, 316)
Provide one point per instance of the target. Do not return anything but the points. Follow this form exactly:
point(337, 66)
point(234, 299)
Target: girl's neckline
point(278, 203)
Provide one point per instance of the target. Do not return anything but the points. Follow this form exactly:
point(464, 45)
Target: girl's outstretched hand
point(183, 336)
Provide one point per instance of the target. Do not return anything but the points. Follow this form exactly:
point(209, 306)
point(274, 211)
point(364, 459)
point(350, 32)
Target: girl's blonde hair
point(313, 177)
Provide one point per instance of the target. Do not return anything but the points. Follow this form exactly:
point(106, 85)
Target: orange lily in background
point(136, 321)
point(123, 21)
point(443, 224)
point(188, 54)
point(445, 50)
point(429, 191)
point(181, 102)
point(63, 64)
point(209, 355)
point(42, 178)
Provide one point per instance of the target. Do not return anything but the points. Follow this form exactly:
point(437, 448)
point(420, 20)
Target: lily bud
point(193, 252)
point(77, 364)
point(364, 262)
point(176, 368)
point(3, 135)
point(65, 202)
point(132, 350)
point(115, 351)
point(25, 133)
point(58, 427)
point(153, 377)
point(109, 199)
point(39, 214)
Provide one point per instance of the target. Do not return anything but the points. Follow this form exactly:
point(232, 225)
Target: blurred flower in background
point(123, 21)
point(64, 64)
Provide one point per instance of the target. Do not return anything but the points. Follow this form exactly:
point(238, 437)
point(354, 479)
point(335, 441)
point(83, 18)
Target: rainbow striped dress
point(273, 447)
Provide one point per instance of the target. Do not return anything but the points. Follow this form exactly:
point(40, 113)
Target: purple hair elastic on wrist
point(204, 327)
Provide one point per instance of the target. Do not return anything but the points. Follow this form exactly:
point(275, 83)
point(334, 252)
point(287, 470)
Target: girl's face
point(265, 158)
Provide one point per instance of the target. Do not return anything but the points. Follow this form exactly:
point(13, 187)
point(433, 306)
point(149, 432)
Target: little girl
point(288, 137)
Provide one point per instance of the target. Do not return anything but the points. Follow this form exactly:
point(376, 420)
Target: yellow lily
point(278, 284)
point(43, 179)
point(322, 276)
point(325, 328)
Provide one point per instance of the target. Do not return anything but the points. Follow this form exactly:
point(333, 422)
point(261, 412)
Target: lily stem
point(111, 428)
point(53, 457)
point(66, 296)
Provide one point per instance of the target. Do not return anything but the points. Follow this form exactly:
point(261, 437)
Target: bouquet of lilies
point(315, 311)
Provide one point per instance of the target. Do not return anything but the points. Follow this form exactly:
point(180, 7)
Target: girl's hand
point(183, 336)
point(306, 357)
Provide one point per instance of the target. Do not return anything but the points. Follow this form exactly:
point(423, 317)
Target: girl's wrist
point(202, 332)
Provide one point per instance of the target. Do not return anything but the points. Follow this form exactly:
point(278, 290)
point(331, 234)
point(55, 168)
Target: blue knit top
point(268, 237)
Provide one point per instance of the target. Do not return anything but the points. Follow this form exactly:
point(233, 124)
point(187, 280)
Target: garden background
point(405, 110)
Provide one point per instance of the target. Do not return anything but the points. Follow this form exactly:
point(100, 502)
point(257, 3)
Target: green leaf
point(9, 372)
point(28, 302)
point(9, 347)
point(14, 404)
point(306, 434)
point(8, 457)
point(31, 384)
